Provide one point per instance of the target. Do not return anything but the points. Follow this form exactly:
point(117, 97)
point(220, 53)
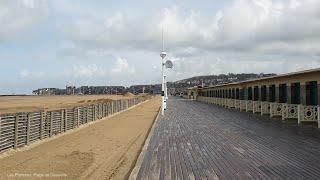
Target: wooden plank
point(28, 128)
point(16, 135)
point(0, 126)
point(42, 115)
point(62, 125)
point(51, 123)
point(65, 119)
point(78, 116)
point(200, 141)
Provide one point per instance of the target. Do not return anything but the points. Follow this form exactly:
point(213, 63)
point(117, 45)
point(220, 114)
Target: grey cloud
point(20, 16)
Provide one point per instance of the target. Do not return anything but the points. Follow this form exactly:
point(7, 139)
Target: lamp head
point(163, 54)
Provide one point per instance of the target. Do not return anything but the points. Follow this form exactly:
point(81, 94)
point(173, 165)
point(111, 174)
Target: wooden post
point(78, 117)
point(299, 114)
point(74, 117)
point(318, 94)
point(318, 117)
point(289, 93)
point(267, 93)
point(41, 124)
point(303, 95)
point(51, 123)
point(62, 121)
point(277, 98)
point(16, 126)
point(87, 110)
point(94, 112)
point(0, 125)
point(65, 120)
point(117, 106)
point(103, 110)
point(28, 128)
point(107, 109)
point(247, 109)
point(284, 111)
point(111, 107)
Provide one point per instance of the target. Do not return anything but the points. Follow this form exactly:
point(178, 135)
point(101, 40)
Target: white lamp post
point(163, 55)
point(165, 64)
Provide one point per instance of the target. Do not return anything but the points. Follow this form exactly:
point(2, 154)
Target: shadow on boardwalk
point(200, 141)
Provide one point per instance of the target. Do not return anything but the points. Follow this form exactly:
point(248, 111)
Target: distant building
point(48, 91)
point(70, 90)
point(151, 89)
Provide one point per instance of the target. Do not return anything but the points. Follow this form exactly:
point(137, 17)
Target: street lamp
point(165, 64)
point(163, 54)
point(168, 65)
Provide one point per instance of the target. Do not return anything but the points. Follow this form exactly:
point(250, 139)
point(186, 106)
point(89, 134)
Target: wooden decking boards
point(199, 141)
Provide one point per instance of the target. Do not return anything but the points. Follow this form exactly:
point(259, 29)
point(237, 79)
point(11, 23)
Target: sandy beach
point(106, 149)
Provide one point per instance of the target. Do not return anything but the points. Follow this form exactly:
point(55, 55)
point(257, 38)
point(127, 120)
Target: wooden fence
point(20, 129)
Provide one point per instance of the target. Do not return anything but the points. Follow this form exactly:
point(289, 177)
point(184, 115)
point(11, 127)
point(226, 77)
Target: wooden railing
point(300, 112)
point(20, 129)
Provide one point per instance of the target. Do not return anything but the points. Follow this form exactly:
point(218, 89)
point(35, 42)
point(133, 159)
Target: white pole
point(163, 55)
point(165, 89)
point(162, 93)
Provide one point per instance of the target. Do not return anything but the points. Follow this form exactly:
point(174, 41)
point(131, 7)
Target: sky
point(54, 43)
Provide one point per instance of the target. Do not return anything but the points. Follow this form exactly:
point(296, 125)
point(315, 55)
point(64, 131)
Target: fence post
point(284, 111)
point(16, 124)
point(28, 129)
point(41, 124)
point(317, 109)
point(108, 108)
point(78, 117)
point(94, 112)
point(87, 114)
point(103, 110)
point(98, 111)
point(0, 125)
point(62, 121)
point(65, 120)
point(117, 105)
point(51, 123)
point(299, 114)
point(111, 104)
point(74, 117)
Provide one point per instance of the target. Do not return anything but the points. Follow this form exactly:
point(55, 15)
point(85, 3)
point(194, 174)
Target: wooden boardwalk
point(200, 141)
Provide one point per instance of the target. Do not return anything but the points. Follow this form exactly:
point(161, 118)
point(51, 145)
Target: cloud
point(87, 71)
point(19, 16)
point(264, 26)
point(26, 74)
point(122, 67)
point(86, 39)
point(267, 26)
